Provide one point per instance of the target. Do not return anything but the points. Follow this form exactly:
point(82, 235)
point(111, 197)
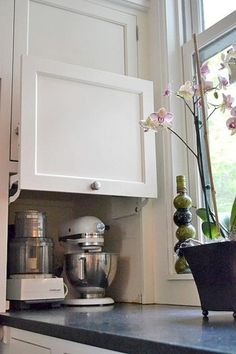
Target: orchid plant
point(192, 94)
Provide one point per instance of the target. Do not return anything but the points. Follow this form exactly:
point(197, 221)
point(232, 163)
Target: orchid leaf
point(210, 229)
point(232, 222)
point(201, 212)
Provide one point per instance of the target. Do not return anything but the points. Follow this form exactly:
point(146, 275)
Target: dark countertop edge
point(103, 340)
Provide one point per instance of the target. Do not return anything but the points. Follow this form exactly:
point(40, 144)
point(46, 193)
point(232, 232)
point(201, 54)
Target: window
point(221, 10)
point(213, 43)
point(222, 144)
point(176, 288)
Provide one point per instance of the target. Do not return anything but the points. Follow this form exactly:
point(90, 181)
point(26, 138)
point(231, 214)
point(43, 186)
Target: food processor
point(30, 262)
point(87, 269)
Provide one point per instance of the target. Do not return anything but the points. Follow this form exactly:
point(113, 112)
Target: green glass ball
point(182, 201)
point(184, 232)
point(181, 266)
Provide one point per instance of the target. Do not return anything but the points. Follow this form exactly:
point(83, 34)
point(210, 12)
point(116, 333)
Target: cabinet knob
point(96, 185)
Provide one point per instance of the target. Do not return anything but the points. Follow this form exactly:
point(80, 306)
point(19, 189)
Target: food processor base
point(89, 302)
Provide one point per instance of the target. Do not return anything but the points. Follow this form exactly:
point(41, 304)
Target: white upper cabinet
point(80, 131)
point(73, 32)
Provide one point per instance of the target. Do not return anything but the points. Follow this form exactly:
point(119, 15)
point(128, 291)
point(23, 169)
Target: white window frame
point(166, 41)
point(172, 157)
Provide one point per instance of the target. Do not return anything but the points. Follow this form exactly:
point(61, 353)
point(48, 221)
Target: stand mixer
point(88, 270)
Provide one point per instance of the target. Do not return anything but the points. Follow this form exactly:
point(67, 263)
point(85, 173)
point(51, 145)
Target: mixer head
point(86, 232)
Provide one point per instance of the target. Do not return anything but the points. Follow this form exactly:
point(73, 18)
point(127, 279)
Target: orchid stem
point(201, 170)
point(213, 192)
point(215, 108)
point(172, 131)
point(186, 103)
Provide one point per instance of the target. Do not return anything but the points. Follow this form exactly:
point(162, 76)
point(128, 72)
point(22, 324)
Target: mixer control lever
point(82, 264)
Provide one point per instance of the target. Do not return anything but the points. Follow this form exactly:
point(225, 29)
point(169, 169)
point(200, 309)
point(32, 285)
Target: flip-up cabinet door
point(80, 131)
point(73, 32)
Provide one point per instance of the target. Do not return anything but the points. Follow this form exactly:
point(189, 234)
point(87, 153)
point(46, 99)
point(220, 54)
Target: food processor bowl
point(32, 255)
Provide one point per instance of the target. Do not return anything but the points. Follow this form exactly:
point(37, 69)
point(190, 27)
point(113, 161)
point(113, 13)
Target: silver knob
point(96, 185)
point(100, 227)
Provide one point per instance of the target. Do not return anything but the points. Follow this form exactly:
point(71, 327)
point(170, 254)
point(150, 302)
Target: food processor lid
point(85, 225)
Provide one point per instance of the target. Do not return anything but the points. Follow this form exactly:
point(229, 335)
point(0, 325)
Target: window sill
point(180, 277)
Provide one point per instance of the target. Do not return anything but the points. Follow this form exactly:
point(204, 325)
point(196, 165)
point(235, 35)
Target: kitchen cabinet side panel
point(6, 41)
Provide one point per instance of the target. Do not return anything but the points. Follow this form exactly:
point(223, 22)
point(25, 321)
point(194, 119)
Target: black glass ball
point(182, 217)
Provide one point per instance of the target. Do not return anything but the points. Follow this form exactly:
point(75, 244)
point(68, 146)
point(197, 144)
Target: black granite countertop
point(131, 328)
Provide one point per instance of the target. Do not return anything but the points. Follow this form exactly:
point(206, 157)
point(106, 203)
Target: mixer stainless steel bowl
point(91, 273)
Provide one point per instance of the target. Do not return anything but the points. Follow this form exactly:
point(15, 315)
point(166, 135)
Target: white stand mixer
point(89, 271)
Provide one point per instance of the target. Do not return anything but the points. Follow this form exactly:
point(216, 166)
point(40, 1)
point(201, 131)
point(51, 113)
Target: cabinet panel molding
point(74, 32)
point(22, 347)
point(25, 342)
point(80, 126)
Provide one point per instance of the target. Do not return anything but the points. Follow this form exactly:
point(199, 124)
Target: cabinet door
point(20, 347)
point(24, 342)
point(74, 32)
point(78, 348)
point(80, 131)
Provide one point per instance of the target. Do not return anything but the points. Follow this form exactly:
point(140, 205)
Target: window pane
point(222, 143)
point(214, 11)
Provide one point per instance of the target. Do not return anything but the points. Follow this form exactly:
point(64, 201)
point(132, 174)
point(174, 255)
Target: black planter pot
point(214, 270)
